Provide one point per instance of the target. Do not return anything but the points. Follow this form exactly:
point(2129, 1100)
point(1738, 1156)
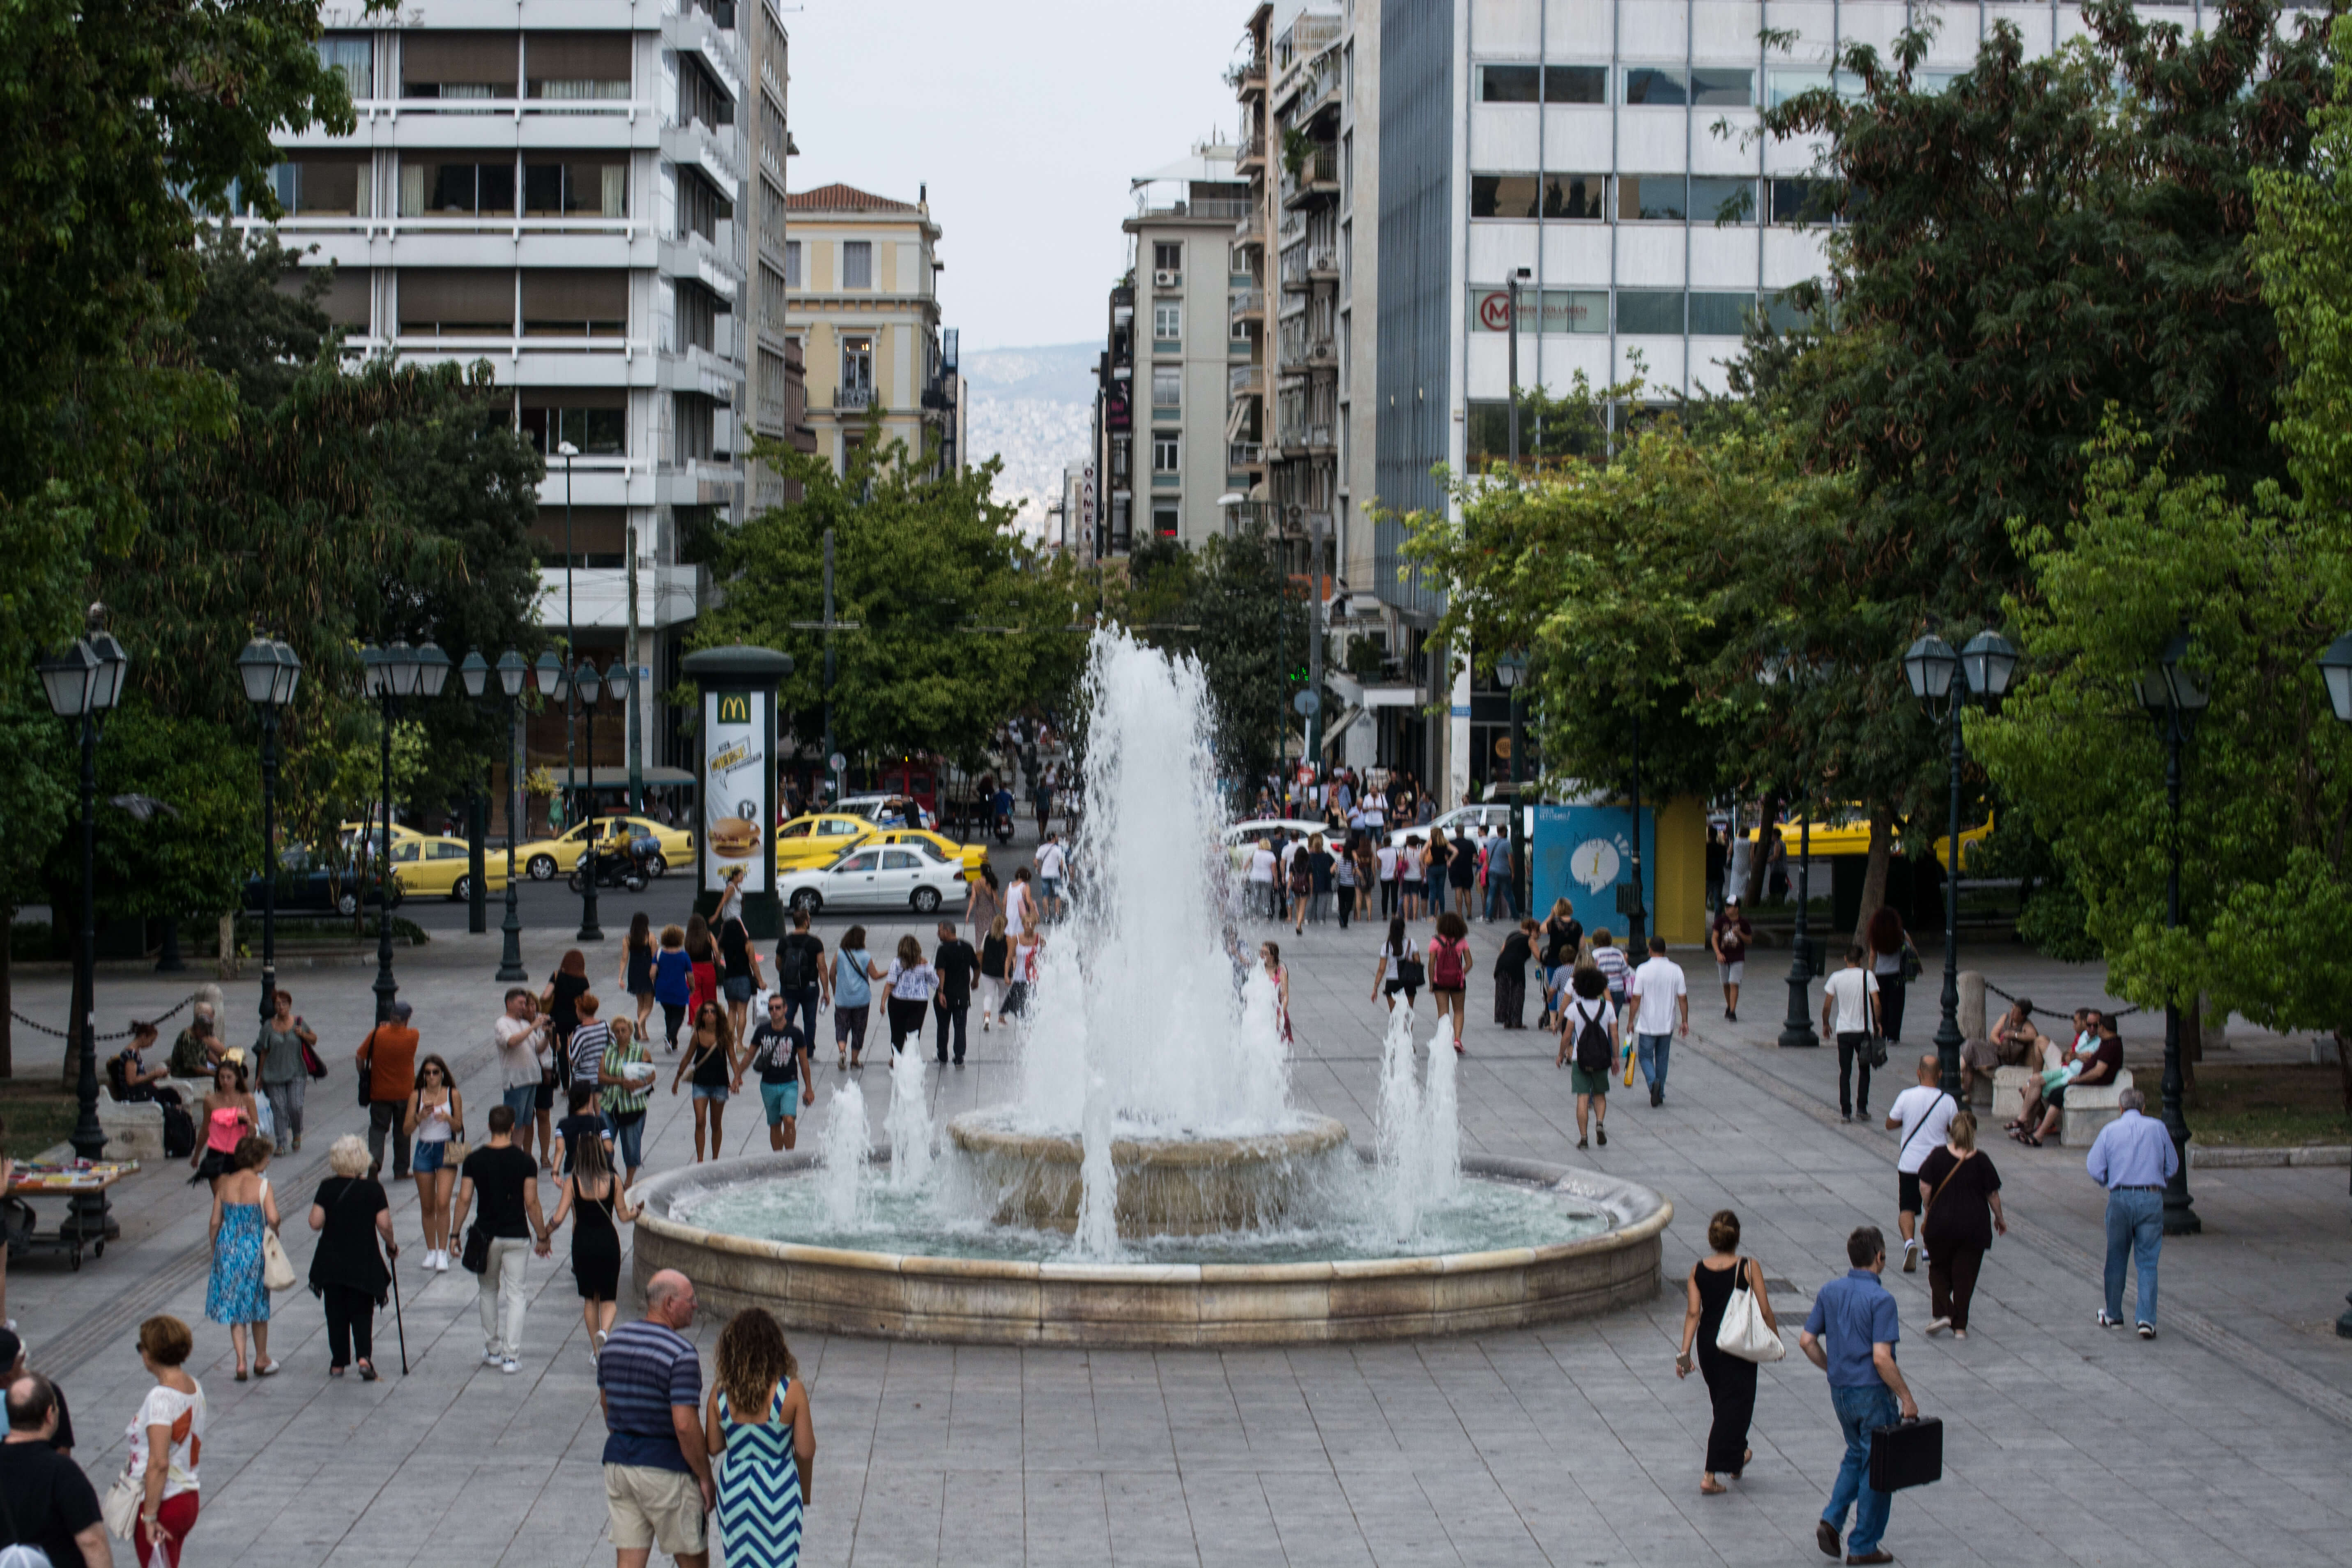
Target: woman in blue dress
point(242, 1209)
point(756, 1425)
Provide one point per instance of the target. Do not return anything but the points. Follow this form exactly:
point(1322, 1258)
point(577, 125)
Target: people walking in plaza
point(908, 987)
point(284, 1075)
point(229, 1118)
point(1345, 879)
point(435, 1115)
point(165, 1437)
point(1731, 1379)
point(1511, 977)
point(1564, 938)
point(242, 1209)
point(702, 962)
point(636, 976)
point(1962, 1196)
point(1020, 906)
point(506, 1182)
point(2134, 1158)
point(1851, 1334)
point(1298, 881)
point(983, 904)
point(1449, 970)
point(1849, 1015)
point(673, 985)
point(1437, 874)
point(1889, 947)
point(1462, 875)
point(1384, 867)
point(658, 1490)
point(1412, 875)
point(47, 1504)
point(590, 1041)
point(852, 970)
point(800, 974)
point(347, 1272)
point(738, 964)
point(1400, 967)
point(757, 1426)
point(1615, 970)
point(1920, 1115)
point(709, 1063)
point(1269, 955)
point(627, 1081)
point(779, 1052)
point(584, 1122)
point(1727, 938)
point(958, 967)
point(560, 1002)
point(1590, 1043)
point(520, 1038)
point(593, 1199)
point(995, 971)
point(1051, 861)
point(1662, 1008)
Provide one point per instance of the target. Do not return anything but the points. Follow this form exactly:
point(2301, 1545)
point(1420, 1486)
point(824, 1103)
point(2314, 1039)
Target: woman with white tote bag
point(1729, 1323)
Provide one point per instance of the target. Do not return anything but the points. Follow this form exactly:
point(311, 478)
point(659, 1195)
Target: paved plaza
point(2223, 1441)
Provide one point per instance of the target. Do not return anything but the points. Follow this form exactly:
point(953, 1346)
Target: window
point(856, 372)
point(1723, 87)
point(1167, 387)
point(700, 205)
point(576, 65)
point(1655, 196)
point(457, 184)
point(1503, 195)
point(575, 304)
point(1800, 201)
point(863, 861)
point(1575, 310)
point(1720, 315)
point(1509, 84)
point(1167, 522)
point(900, 860)
point(458, 64)
point(457, 302)
point(1168, 256)
point(564, 188)
point(1576, 84)
point(1722, 201)
point(1654, 310)
point(1166, 455)
point(353, 54)
point(1119, 453)
point(693, 428)
point(857, 264)
point(792, 264)
point(1786, 85)
point(346, 298)
point(1780, 312)
point(697, 317)
point(1582, 197)
point(1167, 321)
point(594, 418)
point(323, 187)
point(596, 538)
point(1656, 84)
point(700, 96)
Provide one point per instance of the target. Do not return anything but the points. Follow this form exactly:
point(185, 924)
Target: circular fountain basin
point(1167, 1186)
point(1020, 1300)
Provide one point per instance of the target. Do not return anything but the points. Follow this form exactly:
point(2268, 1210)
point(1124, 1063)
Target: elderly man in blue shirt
point(2134, 1158)
point(1851, 1334)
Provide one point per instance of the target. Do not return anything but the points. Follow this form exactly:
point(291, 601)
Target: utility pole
point(1315, 646)
point(828, 665)
point(1516, 277)
point(631, 716)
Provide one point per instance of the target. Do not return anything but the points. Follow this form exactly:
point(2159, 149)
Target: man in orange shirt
point(387, 1058)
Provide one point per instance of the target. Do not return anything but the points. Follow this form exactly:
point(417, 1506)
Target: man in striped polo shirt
point(657, 1484)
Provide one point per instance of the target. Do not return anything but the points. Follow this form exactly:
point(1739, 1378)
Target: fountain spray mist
point(909, 1120)
point(842, 1176)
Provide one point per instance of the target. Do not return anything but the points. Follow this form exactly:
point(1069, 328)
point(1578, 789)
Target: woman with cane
point(350, 1215)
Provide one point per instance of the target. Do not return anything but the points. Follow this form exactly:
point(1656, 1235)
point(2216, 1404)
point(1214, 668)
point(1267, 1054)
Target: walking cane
point(398, 1322)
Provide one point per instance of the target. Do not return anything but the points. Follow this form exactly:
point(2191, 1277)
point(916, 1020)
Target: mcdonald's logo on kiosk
point(734, 708)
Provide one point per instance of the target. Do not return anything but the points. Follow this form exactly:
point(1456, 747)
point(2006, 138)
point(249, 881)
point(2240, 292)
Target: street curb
point(2240, 1157)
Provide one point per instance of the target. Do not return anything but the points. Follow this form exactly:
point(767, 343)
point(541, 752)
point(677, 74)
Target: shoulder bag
point(367, 1064)
point(120, 1506)
point(277, 1269)
point(476, 1255)
point(1745, 1333)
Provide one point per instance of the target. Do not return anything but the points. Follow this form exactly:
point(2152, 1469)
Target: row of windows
point(1672, 86)
point(1659, 311)
point(857, 264)
point(1673, 198)
point(457, 185)
point(469, 65)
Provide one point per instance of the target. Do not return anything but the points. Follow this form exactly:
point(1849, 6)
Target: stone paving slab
point(1569, 1444)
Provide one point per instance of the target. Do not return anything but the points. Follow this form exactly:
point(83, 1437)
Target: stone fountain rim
point(981, 1132)
point(1636, 1214)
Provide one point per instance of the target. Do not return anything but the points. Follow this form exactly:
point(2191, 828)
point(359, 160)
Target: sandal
point(1713, 1489)
point(267, 1369)
point(240, 1374)
point(368, 1373)
point(334, 1371)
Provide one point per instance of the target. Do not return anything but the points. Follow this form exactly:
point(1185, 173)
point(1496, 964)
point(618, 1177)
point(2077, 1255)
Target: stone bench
point(134, 1128)
point(2089, 1108)
point(2008, 1086)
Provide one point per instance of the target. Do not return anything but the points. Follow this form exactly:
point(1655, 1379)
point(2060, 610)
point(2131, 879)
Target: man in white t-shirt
point(1385, 859)
point(1662, 1000)
point(1051, 858)
point(1850, 1013)
point(1923, 1113)
point(1261, 876)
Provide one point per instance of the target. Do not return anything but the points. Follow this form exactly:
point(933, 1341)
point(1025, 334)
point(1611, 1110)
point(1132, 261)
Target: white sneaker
point(1938, 1325)
point(510, 1367)
point(441, 1260)
point(491, 1358)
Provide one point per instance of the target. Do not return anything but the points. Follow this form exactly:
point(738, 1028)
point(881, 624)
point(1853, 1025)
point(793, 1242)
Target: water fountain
point(1152, 1182)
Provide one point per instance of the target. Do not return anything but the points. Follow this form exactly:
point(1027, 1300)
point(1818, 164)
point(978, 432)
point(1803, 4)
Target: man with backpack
point(1588, 1048)
point(800, 974)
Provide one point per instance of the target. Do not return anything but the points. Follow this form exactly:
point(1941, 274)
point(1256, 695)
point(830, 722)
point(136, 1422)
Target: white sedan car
point(876, 877)
point(1456, 822)
point(1278, 829)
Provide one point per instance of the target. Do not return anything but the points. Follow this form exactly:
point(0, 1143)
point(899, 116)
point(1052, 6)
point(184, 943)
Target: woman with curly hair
point(756, 1416)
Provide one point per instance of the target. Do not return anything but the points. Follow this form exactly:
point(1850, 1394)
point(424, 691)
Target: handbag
point(277, 1269)
point(476, 1255)
point(1745, 1333)
point(1412, 973)
point(120, 1506)
point(1873, 1050)
point(310, 1062)
point(367, 1065)
point(1911, 967)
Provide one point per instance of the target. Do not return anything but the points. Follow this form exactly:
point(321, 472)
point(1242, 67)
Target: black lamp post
point(1983, 669)
point(589, 685)
point(1797, 1031)
point(512, 673)
point(84, 682)
point(2336, 670)
point(2174, 696)
point(269, 671)
point(1519, 276)
point(393, 675)
point(1511, 669)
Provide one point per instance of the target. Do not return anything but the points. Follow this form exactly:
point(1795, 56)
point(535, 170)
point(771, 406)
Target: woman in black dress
point(637, 967)
point(597, 1203)
point(1511, 977)
point(350, 1215)
point(1730, 1381)
point(1963, 1194)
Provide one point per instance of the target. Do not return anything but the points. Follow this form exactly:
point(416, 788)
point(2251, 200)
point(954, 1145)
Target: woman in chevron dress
point(763, 1475)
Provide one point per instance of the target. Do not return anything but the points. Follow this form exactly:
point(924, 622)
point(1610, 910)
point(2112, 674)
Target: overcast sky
point(1027, 118)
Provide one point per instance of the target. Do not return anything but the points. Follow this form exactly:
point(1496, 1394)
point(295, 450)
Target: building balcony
point(852, 399)
point(1249, 155)
point(1304, 266)
point(1247, 302)
point(1248, 80)
point(1167, 482)
point(1243, 454)
point(1244, 380)
point(1317, 182)
point(1251, 227)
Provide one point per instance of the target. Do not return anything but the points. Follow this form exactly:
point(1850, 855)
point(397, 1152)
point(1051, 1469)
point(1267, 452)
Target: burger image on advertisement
point(734, 837)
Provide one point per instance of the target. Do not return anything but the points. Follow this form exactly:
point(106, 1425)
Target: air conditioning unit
point(1167, 278)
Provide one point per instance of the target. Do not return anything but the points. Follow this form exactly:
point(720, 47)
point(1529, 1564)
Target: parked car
point(873, 807)
point(543, 859)
point(971, 856)
point(311, 881)
point(1278, 827)
point(444, 867)
point(1496, 813)
point(875, 877)
point(815, 840)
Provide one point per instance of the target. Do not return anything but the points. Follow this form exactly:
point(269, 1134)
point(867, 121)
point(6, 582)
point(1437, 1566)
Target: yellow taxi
point(426, 866)
point(1847, 833)
point(971, 856)
point(815, 839)
point(544, 858)
point(349, 833)
point(1972, 842)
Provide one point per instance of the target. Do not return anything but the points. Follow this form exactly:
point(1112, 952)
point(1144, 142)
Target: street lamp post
point(1797, 1031)
point(1983, 669)
point(84, 682)
point(567, 451)
point(587, 685)
point(1511, 669)
point(269, 672)
point(392, 676)
point(512, 672)
point(2336, 670)
point(2174, 696)
point(1517, 276)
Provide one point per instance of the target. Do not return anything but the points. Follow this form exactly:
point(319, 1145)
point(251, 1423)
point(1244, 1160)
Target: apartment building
point(862, 275)
point(778, 381)
point(1170, 466)
point(553, 189)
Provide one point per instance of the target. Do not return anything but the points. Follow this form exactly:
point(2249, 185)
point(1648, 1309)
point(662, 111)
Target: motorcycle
point(617, 867)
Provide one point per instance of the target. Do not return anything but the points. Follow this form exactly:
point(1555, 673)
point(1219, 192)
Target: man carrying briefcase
point(1851, 1335)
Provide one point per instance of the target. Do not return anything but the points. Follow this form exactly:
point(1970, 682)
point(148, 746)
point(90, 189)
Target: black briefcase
point(1908, 1454)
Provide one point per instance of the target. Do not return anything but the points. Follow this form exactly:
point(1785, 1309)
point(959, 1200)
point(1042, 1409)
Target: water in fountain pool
point(909, 1120)
point(838, 1188)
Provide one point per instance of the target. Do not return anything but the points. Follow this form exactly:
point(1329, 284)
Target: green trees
point(1230, 606)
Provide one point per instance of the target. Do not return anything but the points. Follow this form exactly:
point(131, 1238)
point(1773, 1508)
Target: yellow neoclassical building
point(862, 281)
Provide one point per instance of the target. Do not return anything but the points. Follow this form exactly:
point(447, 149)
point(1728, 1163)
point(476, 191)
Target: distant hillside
point(1034, 407)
